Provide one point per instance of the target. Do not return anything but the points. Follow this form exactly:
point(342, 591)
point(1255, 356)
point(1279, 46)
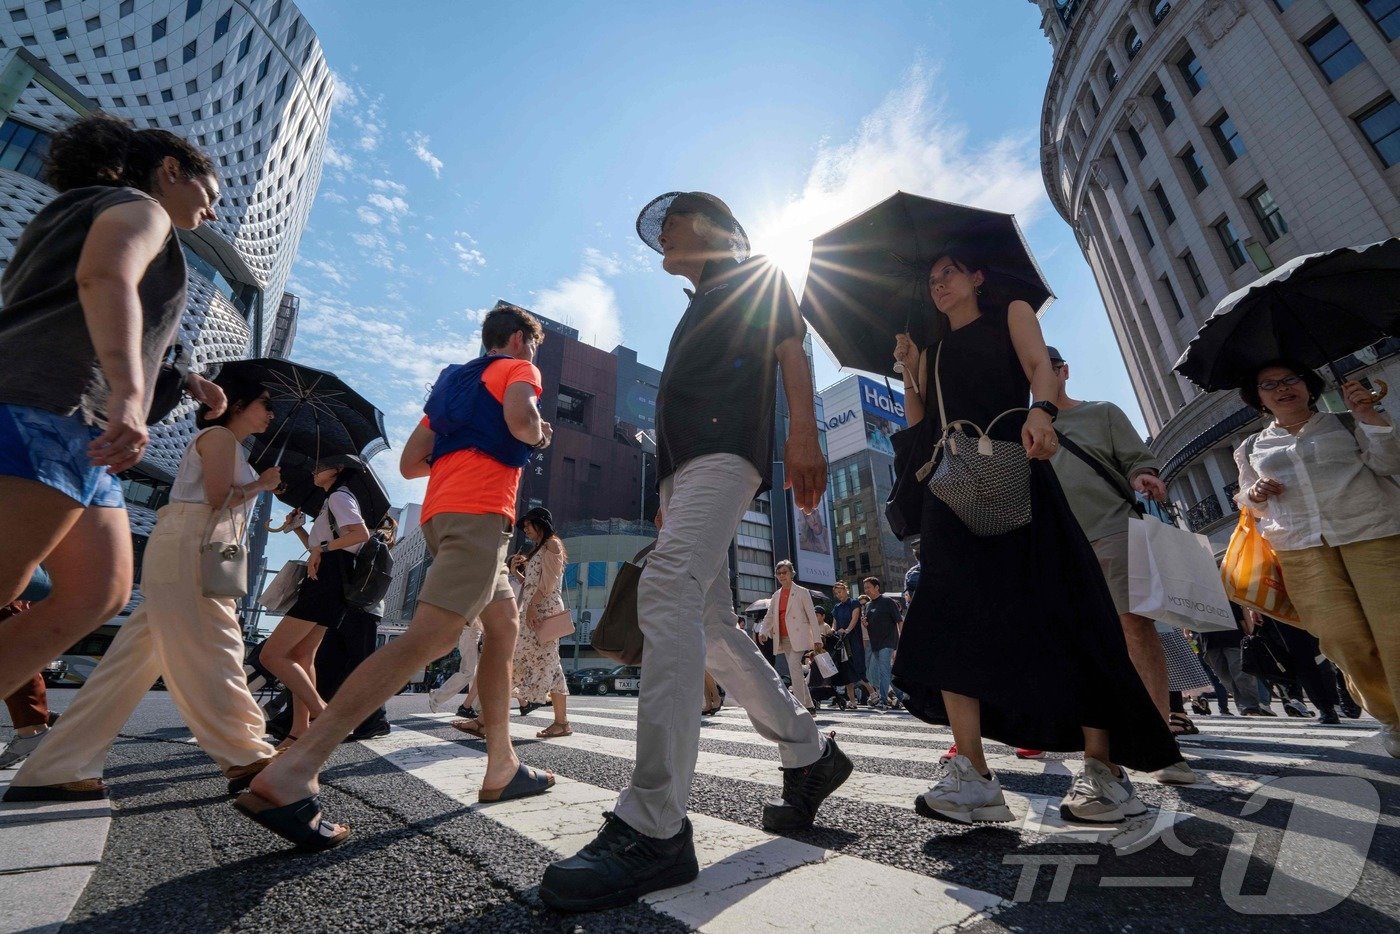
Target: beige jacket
point(802, 627)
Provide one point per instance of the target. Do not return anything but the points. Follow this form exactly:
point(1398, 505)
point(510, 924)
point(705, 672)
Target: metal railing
point(1204, 513)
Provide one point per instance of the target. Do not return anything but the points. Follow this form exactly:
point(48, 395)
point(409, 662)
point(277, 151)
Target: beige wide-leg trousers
point(192, 641)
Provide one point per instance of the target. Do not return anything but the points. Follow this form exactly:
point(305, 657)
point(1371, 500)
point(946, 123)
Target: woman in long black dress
point(1013, 636)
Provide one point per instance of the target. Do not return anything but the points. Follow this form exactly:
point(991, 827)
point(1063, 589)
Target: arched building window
point(1132, 42)
point(1110, 75)
point(1160, 9)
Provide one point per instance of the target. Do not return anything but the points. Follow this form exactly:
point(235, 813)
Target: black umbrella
point(869, 277)
point(1314, 309)
point(316, 413)
point(299, 492)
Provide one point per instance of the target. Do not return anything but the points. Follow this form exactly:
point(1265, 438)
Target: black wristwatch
point(1049, 408)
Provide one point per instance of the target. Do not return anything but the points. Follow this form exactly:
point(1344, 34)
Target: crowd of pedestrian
point(1015, 626)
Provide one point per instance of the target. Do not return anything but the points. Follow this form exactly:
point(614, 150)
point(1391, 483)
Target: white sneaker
point(1390, 739)
point(19, 748)
point(1098, 798)
point(1178, 774)
point(964, 796)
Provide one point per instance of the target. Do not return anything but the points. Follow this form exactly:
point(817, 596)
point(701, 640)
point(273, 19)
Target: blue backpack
point(463, 414)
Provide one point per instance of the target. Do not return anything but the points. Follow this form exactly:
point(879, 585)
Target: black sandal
point(1181, 725)
point(526, 783)
point(301, 822)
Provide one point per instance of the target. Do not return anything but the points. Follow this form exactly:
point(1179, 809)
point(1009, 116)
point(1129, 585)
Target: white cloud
point(343, 93)
point(334, 197)
point(906, 144)
point(385, 184)
point(394, 206)
point(418, 142)
point(468, 258)
point(337, 160)
point(586, 301)
point(368, 217)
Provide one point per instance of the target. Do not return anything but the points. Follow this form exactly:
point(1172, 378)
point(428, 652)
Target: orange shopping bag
point(1252, 574)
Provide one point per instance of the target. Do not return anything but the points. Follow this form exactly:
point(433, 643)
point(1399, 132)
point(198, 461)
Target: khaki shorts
point(469, 562)
point(1113, 558)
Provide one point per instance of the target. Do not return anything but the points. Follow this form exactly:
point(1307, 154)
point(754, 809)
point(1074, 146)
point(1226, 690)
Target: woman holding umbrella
point(192, 641)
point(1321, 492)
point(336, 536)
point(1011, 635)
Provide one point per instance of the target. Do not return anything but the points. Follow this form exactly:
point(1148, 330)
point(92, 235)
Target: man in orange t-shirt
point(468, 515)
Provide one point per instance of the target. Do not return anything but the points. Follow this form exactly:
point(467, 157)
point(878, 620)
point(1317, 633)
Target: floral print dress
point(537, 670)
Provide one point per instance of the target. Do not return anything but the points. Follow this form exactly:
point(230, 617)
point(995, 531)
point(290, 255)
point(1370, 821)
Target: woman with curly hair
point(91, 301)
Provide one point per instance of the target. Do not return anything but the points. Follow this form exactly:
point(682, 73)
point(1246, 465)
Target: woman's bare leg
point(965, 717)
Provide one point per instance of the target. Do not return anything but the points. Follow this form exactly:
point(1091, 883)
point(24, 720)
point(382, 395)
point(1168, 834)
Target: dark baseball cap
point(1054, 355)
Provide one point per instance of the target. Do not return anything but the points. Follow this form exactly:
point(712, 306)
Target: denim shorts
point(52, 450)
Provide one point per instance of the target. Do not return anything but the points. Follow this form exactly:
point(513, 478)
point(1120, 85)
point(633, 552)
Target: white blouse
point(1336, 485)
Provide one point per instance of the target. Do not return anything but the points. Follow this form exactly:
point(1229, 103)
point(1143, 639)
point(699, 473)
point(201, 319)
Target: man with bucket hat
point(715, 413)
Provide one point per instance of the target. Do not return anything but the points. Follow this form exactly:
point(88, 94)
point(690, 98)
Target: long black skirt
point(1024, 622)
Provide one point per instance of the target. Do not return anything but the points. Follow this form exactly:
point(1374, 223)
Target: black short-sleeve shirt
point(882, 622)
point(720, 379)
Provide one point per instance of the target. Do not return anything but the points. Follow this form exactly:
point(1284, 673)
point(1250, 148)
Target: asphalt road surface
point(1292, 825)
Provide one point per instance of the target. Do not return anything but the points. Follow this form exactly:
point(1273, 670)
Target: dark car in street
point(585, 680)
point(624, 679)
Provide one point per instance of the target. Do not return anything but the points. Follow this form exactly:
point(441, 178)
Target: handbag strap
point(214, 516)
point(1109, 477)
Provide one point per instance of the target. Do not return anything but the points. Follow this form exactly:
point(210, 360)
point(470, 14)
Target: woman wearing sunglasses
point(1322, 488)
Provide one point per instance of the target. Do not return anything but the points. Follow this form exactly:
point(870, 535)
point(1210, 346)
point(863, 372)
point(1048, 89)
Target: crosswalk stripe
point(749, 880)
point(1035, 813)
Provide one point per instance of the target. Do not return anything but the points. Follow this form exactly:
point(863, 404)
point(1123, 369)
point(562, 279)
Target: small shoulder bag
point(985, 482)
point(223, 566)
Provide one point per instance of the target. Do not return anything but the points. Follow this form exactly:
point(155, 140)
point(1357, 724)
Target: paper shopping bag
point(1172, 578)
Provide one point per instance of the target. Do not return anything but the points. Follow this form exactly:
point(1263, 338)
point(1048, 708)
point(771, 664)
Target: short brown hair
point(506, 319)
point(875, 581)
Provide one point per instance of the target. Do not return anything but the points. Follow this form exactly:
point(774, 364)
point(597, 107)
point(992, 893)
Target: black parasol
point(1314, 309)
point(868, 279)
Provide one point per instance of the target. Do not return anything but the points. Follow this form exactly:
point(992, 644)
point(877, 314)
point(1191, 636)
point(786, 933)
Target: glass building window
point(1381, 126)
point(1163, 203)
point(1136, 139)
point(192, 7)
point(1386, 15)
point(1110, 75)
point(93, 23)
point(191, 50)
point(1191, 161)
point(192, 86)
point(162, 66)
point(23, 148)
point(1132, 43)
point(221, 26)
point(1164, 105)
point(281, 89)
point(1334, 51)
point(1194, 271)
point(1232, 242)
point(167, 95)
point(1266, 209)
point(133, 74)
point(1166, 284)
point(238, 93)
point(264, 66)
point(1283, 4)
point(1094, 102)
point(1192, 72)
point(129, 44)
point(1227, 138)
point(1144, 229)
point(158, 30)
point(1160, 9)
point(60, 33)
point(126, 8)
point(245, 46)
point(276, 12)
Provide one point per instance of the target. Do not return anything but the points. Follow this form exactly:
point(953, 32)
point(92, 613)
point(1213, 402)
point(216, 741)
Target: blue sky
point(502, 150)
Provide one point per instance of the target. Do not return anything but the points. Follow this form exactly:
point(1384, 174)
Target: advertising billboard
point(882, 410)
point(816, 564)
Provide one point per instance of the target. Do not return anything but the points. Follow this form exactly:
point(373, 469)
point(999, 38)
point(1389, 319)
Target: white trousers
point(192, 641)
point(468, 646)
point(686, 612)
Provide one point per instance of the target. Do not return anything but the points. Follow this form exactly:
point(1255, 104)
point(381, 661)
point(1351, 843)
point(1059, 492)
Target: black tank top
point(981, 377)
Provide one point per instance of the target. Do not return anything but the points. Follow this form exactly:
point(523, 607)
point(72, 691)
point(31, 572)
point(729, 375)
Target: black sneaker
point(369, 730)
point(1328, 715)
point(619, 867)
point(467, 713)
point(1351, 710)
point(804, 790)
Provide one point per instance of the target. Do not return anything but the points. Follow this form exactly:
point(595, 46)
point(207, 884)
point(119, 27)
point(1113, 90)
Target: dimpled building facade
point(244, 79)
point(1197, 144)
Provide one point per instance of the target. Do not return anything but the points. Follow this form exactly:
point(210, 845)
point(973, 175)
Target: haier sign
point(881, 401)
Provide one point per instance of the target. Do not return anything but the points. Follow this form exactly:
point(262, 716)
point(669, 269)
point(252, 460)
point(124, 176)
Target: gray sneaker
point(1098, 798)
point(1178, 774)
point(1390, 739)
point(19, 748)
